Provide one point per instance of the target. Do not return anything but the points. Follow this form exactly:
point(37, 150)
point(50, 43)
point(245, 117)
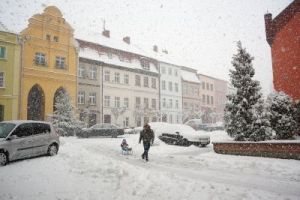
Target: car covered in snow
point(102, 129)
point(24, 139)
point(179, 134)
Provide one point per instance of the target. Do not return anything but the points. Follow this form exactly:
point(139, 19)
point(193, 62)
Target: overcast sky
point(201, 34)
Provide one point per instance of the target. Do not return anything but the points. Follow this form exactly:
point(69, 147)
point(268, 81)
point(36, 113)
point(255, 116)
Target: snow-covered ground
point(94, 168)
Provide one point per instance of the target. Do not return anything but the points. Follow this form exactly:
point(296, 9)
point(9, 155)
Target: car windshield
point(5, 129)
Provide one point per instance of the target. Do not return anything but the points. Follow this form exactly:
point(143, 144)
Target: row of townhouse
point(108, 80)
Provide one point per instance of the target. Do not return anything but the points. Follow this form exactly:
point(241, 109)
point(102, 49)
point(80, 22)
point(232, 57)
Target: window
point(176, 87)
point(40, 59)
point(109, 55)
point(93, 72)
point(212, 100)
point(177, 119)
point(153, 83)
point(153, 104)
point(207, 86)
point(81, 97)
point(48, 37)
point(117, 77)
point(170, 103)
point(126, 124)
point(176, 72)
point(2, 114)
point(146, 84)
point(137, 102)
point(163, 70)
point(146, 103)
point(196, 107)
point(203, 85)
point(170, 86)
point(185, 105)
point(92, 98)
point(2, 52)
point(2, 80)
point(164, 102)
point(81, 71)
point(106, 101)
point(117, 102)
point(60, 62)
point(163, 85)
point(107, 76)
point(24, 130)
point(211, 87)
point(126, 79)
point(207, 99)
point(170, 71)
point(137, 80)
point(145, 64)
point(55, 38)
point(171, 118)
point(126, 102)
point(41, 128)
point(176, 104)
point(203, 99)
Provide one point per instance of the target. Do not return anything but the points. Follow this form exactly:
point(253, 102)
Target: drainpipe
point(21, 42)
point(102, 116)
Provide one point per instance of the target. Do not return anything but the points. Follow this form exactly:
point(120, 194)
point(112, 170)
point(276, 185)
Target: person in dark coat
point(147, 135)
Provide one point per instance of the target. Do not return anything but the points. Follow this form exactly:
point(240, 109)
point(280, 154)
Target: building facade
point(170, 93)
point(89, 94)
point(9, 74)
point(283, 35)
point(49, 64)
point(220, 99)
point(130, 81)
point(208, 99)
point(191, 99)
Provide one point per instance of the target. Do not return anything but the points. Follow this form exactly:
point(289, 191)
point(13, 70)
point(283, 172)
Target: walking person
point(147, 135)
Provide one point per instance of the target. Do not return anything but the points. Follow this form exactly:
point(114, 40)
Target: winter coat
point(147, 135)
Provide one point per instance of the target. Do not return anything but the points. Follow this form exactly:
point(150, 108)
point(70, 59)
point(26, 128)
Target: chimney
point(269, 28)
point(106, 33)
point(126, 39)
point(165, 51)
point(155, 48)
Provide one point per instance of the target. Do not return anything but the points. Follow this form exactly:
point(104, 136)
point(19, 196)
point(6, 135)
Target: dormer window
point(145, 64)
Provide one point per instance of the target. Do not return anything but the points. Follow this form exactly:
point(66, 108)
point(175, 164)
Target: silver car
point(23, 139)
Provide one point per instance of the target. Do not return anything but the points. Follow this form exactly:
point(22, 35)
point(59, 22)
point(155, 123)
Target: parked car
point(196, 124)
point(179, 134)
point(24, 139)
point(103, 129)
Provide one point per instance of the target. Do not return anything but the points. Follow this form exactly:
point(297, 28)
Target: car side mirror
point(12, 137)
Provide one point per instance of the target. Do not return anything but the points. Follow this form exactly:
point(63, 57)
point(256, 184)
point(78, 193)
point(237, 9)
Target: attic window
point(55, 38)
point(145, 64)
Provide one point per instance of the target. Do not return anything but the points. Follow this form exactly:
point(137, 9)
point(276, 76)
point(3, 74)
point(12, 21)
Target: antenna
point(103, 21)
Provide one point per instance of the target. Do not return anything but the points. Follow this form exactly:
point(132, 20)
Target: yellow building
point(9, 74)
point(49, 64)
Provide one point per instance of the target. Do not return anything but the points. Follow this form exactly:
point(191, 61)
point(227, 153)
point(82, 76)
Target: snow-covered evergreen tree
point(64, 119)
point(261, 128)
point(281, 108)
point(239, 110)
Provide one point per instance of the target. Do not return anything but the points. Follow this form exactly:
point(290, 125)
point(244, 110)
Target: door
point(23, 144)
point(40, 138)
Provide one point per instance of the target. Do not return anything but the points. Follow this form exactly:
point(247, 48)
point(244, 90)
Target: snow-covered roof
point(95, 55)
point(189, 76)
point(4, 28)
point(98, 38)
point(17, 122)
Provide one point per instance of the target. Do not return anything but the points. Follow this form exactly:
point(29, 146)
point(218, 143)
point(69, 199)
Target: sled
point(127, 151)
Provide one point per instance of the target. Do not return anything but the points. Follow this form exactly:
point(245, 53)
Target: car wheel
point(52, 150)
point(3, 159)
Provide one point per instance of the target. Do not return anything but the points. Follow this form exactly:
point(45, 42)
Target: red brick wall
point(286, 58)
point(273, 150)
